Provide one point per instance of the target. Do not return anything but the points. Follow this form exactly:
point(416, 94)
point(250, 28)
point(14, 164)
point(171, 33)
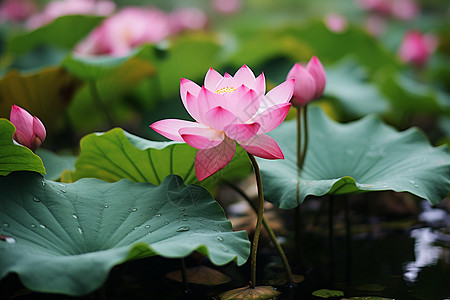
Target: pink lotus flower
point(129, 28)
point(16, 10)
point(227, 7)
point(309, 82)
point(416, 48)
point(187, 18)
point(400, 9)
point(336, 22)
point(57, 9)
point(228, 109)
point(30, 132)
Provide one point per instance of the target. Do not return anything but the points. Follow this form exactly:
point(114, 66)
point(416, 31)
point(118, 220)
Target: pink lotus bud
point(415, 48)
point(304, 87)
point(315, 68)
point(336, 22)
point(309, 82)
point(30, 132)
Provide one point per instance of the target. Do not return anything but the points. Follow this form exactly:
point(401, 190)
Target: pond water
point(396, 252)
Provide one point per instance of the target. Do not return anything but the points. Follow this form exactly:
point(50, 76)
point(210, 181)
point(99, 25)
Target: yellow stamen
point(225, 90)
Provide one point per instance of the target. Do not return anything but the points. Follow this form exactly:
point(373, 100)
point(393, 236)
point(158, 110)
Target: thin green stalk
point(299, 139)
point(273, 237)
point(260, 213)
point(305, 129)
point(184, 275)
point(99, 103)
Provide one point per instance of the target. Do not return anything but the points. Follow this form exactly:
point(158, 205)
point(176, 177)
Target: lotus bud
point(30, 132)
point(315, 68)
point(415, 48)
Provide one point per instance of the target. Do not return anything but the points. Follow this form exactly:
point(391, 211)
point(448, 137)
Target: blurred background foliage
point(75, 95)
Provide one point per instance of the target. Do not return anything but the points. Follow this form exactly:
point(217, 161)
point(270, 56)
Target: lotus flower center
point(225, 90)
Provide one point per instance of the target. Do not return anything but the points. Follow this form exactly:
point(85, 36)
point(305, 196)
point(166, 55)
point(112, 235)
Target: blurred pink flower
point(416, 48)
point(60, 8)
point(309, 82)
point(16, 10)
point(187, 18)
point(228, 109)
point(335, 22)
point(400, 9)
point(30, 132)
point(227, 7)
point(129, 28)
point(376, 25)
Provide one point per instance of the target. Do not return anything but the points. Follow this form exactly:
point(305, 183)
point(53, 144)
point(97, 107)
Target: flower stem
point(98, 101)
point(260, 213)
point(273, 237)
point(299, 139)
point(305, 129)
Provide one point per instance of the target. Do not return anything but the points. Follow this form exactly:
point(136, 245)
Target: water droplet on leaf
point(80, 230)
point(218, 238)
point(183, 228)
point(5, 224)
point(36, 199)
point(42, 226)
point(33, 225)
point(74, 216)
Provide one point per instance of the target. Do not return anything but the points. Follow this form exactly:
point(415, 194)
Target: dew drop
point(106, 206)
point(33, 225)
point(75, 216)
point(218, 238)
point(61, 185)
point(150, 208)
point(147, 226)
point(184, 219)
point(135, 227)
point(133, 209)
point(158, 215)
point(43, 183)
point(80, 230)
point(5, 224)
point(64, 191)
point(8, 239)
point(42, 226)
point(183, 228)
point(166, 223)
point(185, 214)
point(35, 199)
point(182, 209)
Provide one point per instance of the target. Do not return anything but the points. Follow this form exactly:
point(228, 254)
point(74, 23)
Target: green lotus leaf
point(45, 94)
point(55, 164)
point(355, 97)
point(66, 238)
point(63, 32)
point(14, 157)
point(118, 154)
point(365, 155)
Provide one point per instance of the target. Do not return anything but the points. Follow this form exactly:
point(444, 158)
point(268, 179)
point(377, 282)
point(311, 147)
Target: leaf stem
point(273, 237)
point(184, 275)
point(260, 213)
point(99, 103)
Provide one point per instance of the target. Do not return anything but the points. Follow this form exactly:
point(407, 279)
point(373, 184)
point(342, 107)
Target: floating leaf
point(118, 154)
point(14, 157)
point(67, 237)
point(324, 293)
point(246, 293)
point(200, 275)
point(365, 155)
point(55, 164)
point(63, 32)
